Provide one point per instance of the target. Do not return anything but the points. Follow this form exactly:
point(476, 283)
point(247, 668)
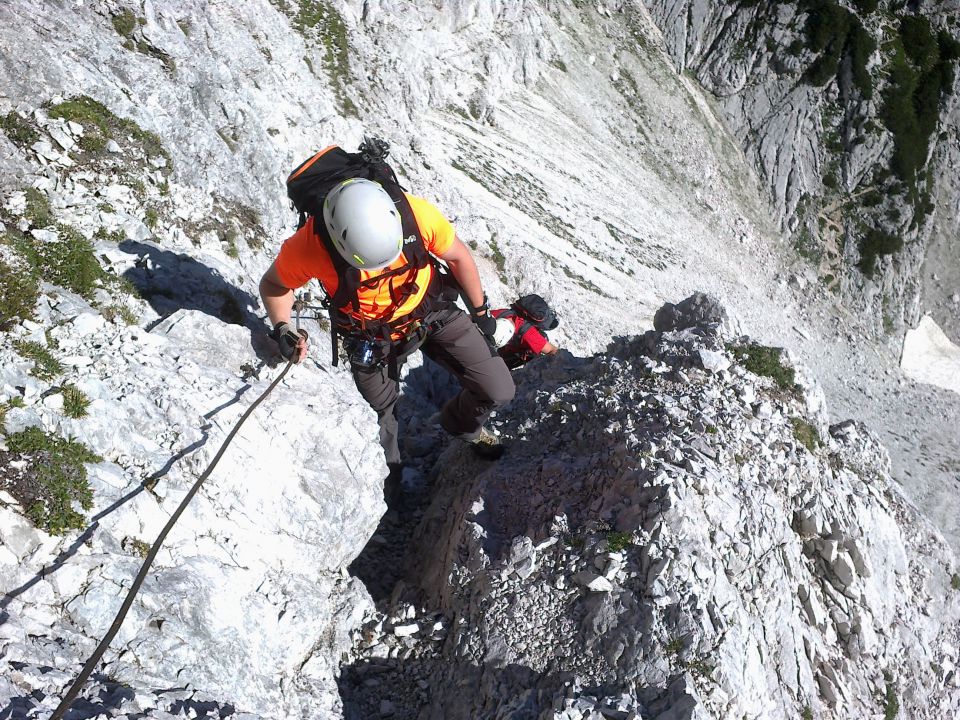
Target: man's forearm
point(277, 301)
point(466, 273)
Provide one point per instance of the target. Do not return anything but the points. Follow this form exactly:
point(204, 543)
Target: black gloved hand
point(287, 338)
point(487, 324)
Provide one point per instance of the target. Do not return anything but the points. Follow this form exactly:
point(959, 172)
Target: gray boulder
point(698, 309)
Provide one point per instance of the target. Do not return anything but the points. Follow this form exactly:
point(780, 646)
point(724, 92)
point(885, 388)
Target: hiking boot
point(487, 445)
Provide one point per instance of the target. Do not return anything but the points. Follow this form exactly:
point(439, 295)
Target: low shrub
point(125, 22)
point(75, 402)
point(46, 475)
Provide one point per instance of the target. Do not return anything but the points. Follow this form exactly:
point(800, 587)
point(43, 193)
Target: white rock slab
point(930, 357)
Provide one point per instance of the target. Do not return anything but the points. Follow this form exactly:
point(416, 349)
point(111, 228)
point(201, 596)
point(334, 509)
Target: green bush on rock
point(46, 475)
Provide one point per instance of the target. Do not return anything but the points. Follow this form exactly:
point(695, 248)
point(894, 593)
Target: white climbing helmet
point(364, 224)
point(505, 332)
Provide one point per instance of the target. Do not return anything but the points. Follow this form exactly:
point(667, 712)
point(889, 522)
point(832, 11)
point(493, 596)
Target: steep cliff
point(849, 112)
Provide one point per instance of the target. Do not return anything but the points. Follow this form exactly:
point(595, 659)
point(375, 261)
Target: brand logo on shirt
point(409, 239)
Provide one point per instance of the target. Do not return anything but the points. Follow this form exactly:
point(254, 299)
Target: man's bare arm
point(464, 269)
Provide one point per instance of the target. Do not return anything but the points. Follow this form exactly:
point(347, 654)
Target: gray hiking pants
point(455, 343)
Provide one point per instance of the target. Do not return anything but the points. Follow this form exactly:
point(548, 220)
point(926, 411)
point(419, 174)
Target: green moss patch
point(766, 362)
point(101, 125)
point(46, 475)
point(805, 433)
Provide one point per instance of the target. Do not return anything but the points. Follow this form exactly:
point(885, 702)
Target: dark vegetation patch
point(19, 291)
point(19, 131)
point(920, 72)
point(873, 244)
point(46, 475)
point(918, 63)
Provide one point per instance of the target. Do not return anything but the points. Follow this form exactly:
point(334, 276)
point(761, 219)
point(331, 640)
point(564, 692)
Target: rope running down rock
point(85, 673)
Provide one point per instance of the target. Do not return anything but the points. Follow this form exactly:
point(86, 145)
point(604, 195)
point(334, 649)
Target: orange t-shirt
point(303, 257)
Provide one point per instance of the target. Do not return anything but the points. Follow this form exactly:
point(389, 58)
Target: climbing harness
point(88, 668)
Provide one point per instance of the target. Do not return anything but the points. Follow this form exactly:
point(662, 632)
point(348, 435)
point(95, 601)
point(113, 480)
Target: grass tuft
point(101, 125)
point(38, 210)
point(75, 402)
point(891, 705)
point(68, 261)
point(617, 541)
point(45, 365)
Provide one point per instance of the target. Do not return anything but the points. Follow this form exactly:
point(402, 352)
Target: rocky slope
point(667, 537)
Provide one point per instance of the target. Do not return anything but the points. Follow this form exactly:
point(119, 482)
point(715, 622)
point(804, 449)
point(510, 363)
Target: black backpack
point(308, 186)
point(534, 311)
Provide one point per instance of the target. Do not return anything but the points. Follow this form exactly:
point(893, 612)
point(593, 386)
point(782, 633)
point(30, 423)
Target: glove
point(287, 338)
point(487, 324)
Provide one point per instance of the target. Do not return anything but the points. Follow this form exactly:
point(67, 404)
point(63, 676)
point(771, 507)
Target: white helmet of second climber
point(364, 224)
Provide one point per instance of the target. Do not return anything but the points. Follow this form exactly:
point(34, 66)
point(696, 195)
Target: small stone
point(843, 568)
point(827, 549)
point(713, 361)
point(592, 581)
point(62, 139)
point(406, 630)
point(112, 146)
point(524, 568)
